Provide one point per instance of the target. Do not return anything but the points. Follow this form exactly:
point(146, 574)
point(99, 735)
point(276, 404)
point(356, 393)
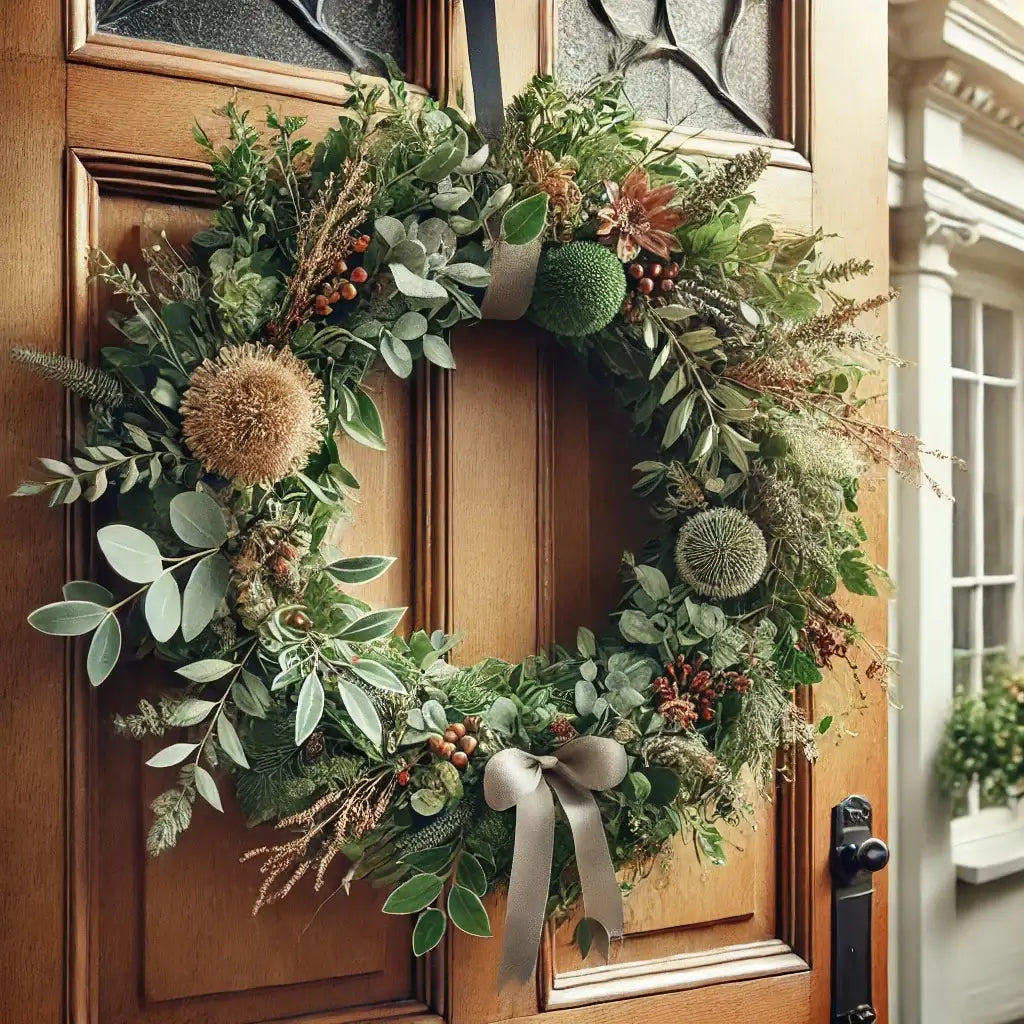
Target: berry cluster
point(458, 741)
point(340, 288)
point(824, 636)
point(648, 280)
point(562, 727)
point(688, 691)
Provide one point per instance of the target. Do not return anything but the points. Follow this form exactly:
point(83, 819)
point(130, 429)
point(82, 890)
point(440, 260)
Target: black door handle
point(856, 856)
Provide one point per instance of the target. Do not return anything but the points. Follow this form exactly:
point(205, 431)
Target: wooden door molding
point(95, 177)
point(426, 29)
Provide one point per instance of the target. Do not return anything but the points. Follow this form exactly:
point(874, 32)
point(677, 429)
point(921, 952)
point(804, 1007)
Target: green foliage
point(721, 553)
point(579, 289)
point(983, 741)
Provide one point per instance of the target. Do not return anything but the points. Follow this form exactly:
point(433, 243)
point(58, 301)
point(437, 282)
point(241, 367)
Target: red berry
point(359, 275)
point(672, 270)
point(348, 291)
point(460, 759)
point(636, 271)
point(334, 297)
point(340, 267)
point(666, 284)
point(403, 778)
point(655, 270)
point(645, 286)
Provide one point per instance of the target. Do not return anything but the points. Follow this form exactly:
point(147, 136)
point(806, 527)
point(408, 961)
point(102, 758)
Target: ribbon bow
point(516, 778)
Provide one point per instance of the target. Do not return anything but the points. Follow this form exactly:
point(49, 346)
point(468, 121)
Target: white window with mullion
point(988, 514)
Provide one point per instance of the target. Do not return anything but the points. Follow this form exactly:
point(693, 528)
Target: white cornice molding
point(979, 100)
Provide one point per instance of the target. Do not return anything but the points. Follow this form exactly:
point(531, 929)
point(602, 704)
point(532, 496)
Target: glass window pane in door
point(1000, 441)
point(963, 478)
point(997, 341)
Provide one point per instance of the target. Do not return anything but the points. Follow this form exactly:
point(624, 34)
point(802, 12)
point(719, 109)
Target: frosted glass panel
point(333, 35)
point(707, 63)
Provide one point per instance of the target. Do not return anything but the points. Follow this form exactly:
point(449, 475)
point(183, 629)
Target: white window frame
point(988, 843)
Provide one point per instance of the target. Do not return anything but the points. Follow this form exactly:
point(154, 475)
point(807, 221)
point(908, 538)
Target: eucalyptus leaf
point(204, 591)
point(86, 590)
point(437, 351)
point(192, 711)
point(227, 737)
point(174, 754)
point(130, 552)
point(373, 625)
point(67, 618)
point(197, 519)
point(207, 788)
point(207, 670)
point(104, 650)
point(410, 326)
point(163, 607)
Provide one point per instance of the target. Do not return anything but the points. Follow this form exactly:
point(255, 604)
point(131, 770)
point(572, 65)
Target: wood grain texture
point(32, 839)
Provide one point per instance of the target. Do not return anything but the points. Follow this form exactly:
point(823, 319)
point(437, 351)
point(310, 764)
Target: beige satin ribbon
point(516, 778)
point(513, 271)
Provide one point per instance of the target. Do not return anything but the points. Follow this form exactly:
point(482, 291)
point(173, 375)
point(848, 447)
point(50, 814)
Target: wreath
point(212, 446)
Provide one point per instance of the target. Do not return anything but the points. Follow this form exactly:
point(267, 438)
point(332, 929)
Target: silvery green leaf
point(637, 628)
point(131, 553)
point(54, 466)
point(463, 225)
point(163, 393)
point(104, 650)
point(434, 716)
point(410, 326)
point(86, 590)
point(415, 720)
point(678, 419)
point(130, 478)
point(71, 491)
point(676, 312)
point(427, 802)
point(163, 607)
point(139, 436)
point(98, 487)
point(586, 642)
point(67, 618)
point(437, 351)
point(586, 696)
point(625, 700)
point(360, 569)
point(174, 754)
point(227, 737)
point(361, 710)
point(207, 788)
point(495, 201)
point(616, 680)
point(660, 360)
point(502, 716)
point(192, 711)
point(390, 229)
point(156, 469)
point(376, 674)
point(475, 161)
point(310, 708)
point(245, 702)
point(650, 334)
point(372, 626)
point(432, 233)
point(653, 581)
point(198, 520)
point(449, 202)
point(600, 707)
point(207, 670)
point(588, 670)
point(397, 355)
point(470, 274)
point(412, 255)
point(416, 287)
point(204, 591)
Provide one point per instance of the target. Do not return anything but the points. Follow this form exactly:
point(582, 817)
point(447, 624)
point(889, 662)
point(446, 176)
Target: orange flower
point(639, 217)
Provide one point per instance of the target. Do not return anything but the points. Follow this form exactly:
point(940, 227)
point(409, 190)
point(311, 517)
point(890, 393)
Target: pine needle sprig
point(88, 382)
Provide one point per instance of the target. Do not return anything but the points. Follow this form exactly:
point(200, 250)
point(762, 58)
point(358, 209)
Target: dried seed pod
point(472, 723)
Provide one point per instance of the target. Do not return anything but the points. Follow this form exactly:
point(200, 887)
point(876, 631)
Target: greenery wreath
point(216, 426)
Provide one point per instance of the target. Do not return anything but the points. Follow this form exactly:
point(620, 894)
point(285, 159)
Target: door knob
point(870, 855)
point(856, 856)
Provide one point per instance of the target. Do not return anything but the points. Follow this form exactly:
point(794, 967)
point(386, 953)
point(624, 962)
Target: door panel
point(506, 494)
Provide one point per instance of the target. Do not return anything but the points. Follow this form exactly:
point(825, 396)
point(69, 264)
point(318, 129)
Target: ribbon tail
point(528, 885)
point(602, 897)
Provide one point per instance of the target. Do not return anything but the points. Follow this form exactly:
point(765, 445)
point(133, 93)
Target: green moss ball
point(579, 289)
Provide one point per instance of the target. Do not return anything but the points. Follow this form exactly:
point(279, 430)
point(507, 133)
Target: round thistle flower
point(579, 289)
point(721, 553)
point(254, 414)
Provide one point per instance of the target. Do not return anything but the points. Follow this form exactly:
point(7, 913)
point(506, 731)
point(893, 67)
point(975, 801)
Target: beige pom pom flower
point(254, 414)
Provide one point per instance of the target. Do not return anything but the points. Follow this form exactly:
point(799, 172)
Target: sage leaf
point(86, 590)
point(192, 711)
point(130, 552)
point(637, 628)
point(163, 607)
point(310, 708)
point(414, 286)
point(429, 930)
point(207, 788)
point(653, 582)
point(204, 592)
point(197, 519)
point(466, 911)
point(376, 674)
point(207, 670)
point(470, 274)
point(174, 754)
point(67, 618)
point(586, 696)
point(410, 326)
point(390, 229)
point(104, 650)
point(678, 420)
point(361, 568)
point(438, 352)
point(373, 625)
point(227, 737)
point(414, 895)
point(397, 355)
point(361, 710)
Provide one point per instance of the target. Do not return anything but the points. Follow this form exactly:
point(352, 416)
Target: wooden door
point(508, 504)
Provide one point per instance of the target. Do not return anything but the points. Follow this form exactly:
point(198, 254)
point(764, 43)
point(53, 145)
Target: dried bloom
point(820, 453)
point(254, 414)
point(725, 181)
point(639, 217)
point(556, 179)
